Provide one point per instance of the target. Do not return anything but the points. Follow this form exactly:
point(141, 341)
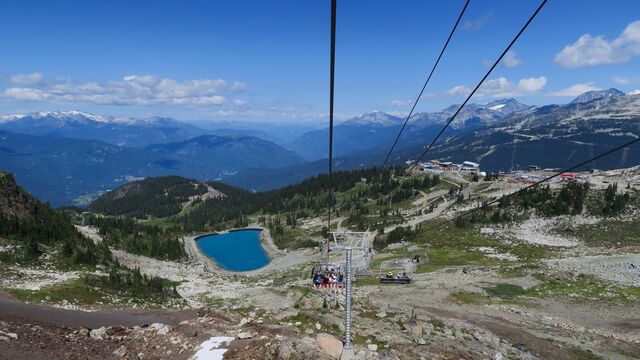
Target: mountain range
point(67, 170)
point(553, 136)
point(71, 157)
point(376, 129)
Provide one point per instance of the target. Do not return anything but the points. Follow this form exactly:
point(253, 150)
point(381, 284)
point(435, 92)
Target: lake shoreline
point(266, 243)
point(278, 259)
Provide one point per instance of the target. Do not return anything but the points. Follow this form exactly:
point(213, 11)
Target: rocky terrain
point(561, 287)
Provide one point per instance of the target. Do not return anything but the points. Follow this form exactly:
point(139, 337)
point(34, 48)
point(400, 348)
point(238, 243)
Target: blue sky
point(268, 60)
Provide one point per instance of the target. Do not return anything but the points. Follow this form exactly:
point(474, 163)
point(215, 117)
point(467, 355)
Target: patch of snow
point(210, 349)
point(497, 107)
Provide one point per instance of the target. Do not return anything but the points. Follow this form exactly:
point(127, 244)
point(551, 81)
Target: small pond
point(237, 250)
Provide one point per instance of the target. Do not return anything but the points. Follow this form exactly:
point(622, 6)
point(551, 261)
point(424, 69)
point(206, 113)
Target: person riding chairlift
point(317, 280)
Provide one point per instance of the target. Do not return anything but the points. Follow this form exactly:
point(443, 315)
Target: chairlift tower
point(347, 352)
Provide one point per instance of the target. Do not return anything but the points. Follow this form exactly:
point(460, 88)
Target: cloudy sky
point(268, 60)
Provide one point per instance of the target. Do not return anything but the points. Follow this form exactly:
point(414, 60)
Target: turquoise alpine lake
point(236, 250)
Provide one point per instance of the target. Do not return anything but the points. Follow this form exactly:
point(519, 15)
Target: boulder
point(98, 334)
point(244, 335)
point(331, 345)
point(83, 332)
point(381, 314)
point(372, 347)
point(161, 329)
point(498, 356)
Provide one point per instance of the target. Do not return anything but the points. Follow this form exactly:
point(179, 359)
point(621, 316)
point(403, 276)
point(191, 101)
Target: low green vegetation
point(139, 238)
point(580, 287)
point(446, 257)
point(468, 297)
point(288, 237)
point(608, 232)
point(121, 287)
point(508, 291)
point(585, 287)
point(571, 199)
point(518, 270)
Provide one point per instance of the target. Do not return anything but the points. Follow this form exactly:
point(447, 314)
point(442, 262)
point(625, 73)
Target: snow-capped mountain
point(122, 131)
point(597, 95)
point(507, 106)
point(376, 118)
point(554, 135)
point(372, 130)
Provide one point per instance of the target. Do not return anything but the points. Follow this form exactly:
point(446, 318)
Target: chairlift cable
point(415, 103)
point(495, 64)
point(331, 97)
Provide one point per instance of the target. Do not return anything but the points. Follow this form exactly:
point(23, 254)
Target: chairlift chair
point(392, 277)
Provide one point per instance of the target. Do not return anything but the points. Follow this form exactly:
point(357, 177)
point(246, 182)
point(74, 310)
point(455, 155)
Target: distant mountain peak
point(75, 116)
point(597, 95)
point(375, 118)
point(506, 106)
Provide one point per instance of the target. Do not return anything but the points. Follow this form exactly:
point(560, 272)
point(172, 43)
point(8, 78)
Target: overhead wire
point(435, 65)
point(475, 89)
point(331, 97)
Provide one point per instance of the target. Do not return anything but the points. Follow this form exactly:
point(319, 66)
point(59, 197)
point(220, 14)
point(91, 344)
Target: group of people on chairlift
point(328, 278)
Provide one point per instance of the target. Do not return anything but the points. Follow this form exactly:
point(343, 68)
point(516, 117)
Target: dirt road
point(11, 310)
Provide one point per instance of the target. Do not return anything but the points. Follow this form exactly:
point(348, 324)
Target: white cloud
point(634, 92)
point(25, 94)
point(459, 90)
point(26, 79)
point(239, 102)
point(131, 90)
point(477, 24)
point(238, 86)
point(510, 60)
point(501, 87)
point(532, 84)
point(621, 80)
point(595, 50)
point(575, 90)
point(401, 103)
